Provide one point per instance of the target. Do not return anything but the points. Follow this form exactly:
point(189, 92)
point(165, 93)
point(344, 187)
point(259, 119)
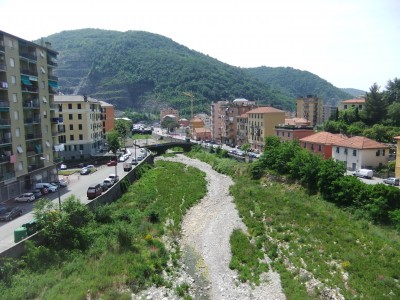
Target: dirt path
point(206, 230)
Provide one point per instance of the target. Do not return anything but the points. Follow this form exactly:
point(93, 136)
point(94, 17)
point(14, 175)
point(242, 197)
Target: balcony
point(29, 72)
point(7, 176)
point(5, 141)
point(33, 136)
point(52, 77)
point(27, 55)
point(55, 120)
point(51, 61)
point(31, 104)
point(4, 105)
point(3, 85)
point(29, 121)
point(5, 122)
point(29, 89)
point(3, 67)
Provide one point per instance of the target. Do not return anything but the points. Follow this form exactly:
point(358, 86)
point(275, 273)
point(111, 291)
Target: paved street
point(78, 186)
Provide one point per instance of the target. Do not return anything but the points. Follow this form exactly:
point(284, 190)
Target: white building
point(360, 152)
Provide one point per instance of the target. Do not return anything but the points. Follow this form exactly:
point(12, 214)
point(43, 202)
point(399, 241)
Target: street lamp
point(58, 181)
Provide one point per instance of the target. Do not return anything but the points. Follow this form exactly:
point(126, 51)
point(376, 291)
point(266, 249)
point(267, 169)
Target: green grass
point(298, 231)
point(126, 250)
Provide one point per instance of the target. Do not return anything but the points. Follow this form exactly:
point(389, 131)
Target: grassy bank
point(125, 251)
point(318, 249)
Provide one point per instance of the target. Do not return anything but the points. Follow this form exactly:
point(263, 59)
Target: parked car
point(61, 183)
point(114, 177)
point(109, 182)
point(63, 167)
point(134, 161)
point(44, 185)
point(123, 158)
point(127, 166)
point(94, 190)
point(25, 197)
point(392, 181)
point(2, 208)
point(104, 186)
point(84, 171)
point(10, 213)
point(92, 168)
point(37, 193)
point(364, 173)
point(112, 163)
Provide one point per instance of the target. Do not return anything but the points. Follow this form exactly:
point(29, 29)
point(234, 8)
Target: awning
point(25, 80)
point(53, 84)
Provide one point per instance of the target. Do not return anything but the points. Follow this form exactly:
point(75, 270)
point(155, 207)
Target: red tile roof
point(360, 142)
point(325, 138)
point(264, 109)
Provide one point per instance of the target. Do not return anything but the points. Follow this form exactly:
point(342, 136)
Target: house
point(321, 143)
point(360, 152)
point(201, 134)
point(352, 103)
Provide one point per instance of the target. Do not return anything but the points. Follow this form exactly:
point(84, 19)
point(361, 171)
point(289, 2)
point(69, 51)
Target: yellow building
point(82, 126)
point(261, 124)
point(397, 169)
point(28, 122)
point(310, 108)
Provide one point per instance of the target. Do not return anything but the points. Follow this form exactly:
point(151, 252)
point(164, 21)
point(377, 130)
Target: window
point(20, 166)
point(71, 137)
point(80, 147)
point(71, 127)
point(16, 116)
point(383, 152)
point(11, 43)
point(80, 126)
point(12, 62)
point(15, 97)
point(43, 85)
point(19, 149)
point(378, 152)
point(41, 54)
point(69, 106)
point(319, 148)
point(345, 106)
point(79, 116)
point(337, 149)
point(44, 99)
point(13, 80)
point(305, 145)
point(79, 106)
point(43, 70)
point(81, 137)
point(354, 152)
point(288, 134)
point(17, 132)
point(45, 114)
point(47, 144)
point(71, 117)
point(312, 146)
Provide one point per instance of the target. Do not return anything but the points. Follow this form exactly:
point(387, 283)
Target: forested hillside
point(299, 83)
point(146, 72)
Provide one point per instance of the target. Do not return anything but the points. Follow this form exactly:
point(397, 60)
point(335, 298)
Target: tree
point(375, 106)
point(113, 141)
point(170, 123)
point(123, 127)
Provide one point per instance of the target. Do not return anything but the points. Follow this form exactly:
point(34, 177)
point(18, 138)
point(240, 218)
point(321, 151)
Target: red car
point(112, 163)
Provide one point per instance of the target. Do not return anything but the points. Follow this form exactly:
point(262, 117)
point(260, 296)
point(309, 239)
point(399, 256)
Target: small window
point(71, 137)
point(41, 54)
point(43, 70)
point(17, 132)
point(305, 145)
point(19, 149)
point(42, 84)
point(69, 106)
point(80, 126)
point(16, 115)
point(288, 134)
point(44, 99)
point(79, 106)
point(81, 137)
point(319, 148)
point(13, 80)
point(354, 152)
point(20, 166)
point(15, 98)
point(11, 43)
point(12, 62)
point(79, 116)
point(71, 117)
point(378, 152)
point(80, 147)
point(71, 127)
point(337, 149)
point(47, 143)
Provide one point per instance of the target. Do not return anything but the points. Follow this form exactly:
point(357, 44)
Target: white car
point(109, 182)
point(123, 158)
point(25, 197)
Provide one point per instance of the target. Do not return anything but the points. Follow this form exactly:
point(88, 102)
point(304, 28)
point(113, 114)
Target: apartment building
point(261, 124)
point(169, 112)
point(310, 108)
point(242, 129)
point(224, 119)
point(108, 116)
point(80, 127)
point(294, 129)
point(28, 120)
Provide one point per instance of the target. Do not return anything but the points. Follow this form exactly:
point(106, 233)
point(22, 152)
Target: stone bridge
point(163, 147)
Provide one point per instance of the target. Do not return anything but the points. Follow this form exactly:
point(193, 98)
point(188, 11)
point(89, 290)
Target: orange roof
point(264, 109)
point(323, 137)
point(296, 121)
point(353, 101)
point(360, 142)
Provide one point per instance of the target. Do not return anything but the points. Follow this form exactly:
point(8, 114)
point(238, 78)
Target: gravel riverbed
point(205, 247)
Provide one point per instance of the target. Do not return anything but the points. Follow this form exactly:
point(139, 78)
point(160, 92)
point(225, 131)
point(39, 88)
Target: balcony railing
point(5, 141)
point(28, 55)
point(3, 85)
point(4, 159)
point(29, 89)
point(51, 62)
point(33, 136)
point(52, 77)
point(31, 104)
point(6, 176)
point(29, 72)
point(32, 120)
point(3, 67)
point(5, 122)
point(4, 103)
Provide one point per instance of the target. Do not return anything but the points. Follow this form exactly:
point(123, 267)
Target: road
point(78, 186)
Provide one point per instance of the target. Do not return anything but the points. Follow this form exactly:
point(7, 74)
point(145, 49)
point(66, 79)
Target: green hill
point(299, 83)
point(146, 72)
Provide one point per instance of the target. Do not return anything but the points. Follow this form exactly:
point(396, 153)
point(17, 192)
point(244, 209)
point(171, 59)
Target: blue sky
point(350, 43)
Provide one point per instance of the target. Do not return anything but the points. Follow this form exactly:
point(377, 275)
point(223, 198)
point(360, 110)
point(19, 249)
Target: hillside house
point(321, 143)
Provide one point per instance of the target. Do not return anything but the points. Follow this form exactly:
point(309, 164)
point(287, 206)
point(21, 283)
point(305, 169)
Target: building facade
point(287, 132)
point(242, 129)
point(360, 152)
point(261, 124)
point(108, 116)
point(321, 143)
point(168, 112)
point(28, 120)
point(352, 103)
point(310, 108)
point(81, 129)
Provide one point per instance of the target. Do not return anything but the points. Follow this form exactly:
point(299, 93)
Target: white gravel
point(206, 230)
